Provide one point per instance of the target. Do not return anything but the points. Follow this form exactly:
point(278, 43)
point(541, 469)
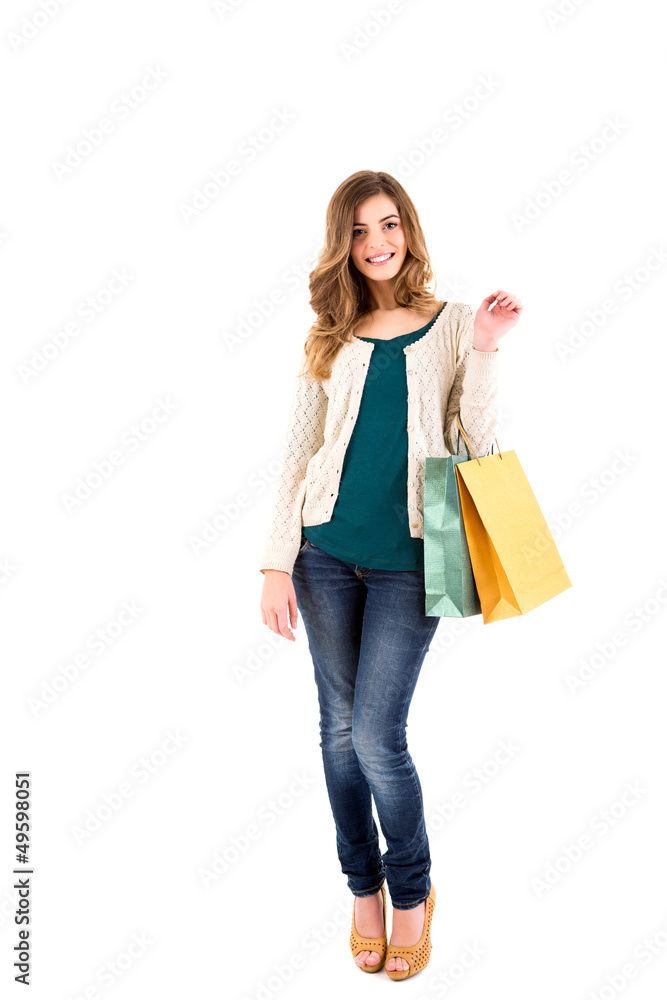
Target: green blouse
point(369, 524)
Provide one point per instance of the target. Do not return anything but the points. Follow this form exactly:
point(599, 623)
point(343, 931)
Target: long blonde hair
point(338, 292)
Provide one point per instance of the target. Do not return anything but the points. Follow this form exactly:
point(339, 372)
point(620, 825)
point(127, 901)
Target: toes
point(397, 965)
point(367, 958)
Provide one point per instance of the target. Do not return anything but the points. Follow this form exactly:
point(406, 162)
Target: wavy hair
point(338, 293)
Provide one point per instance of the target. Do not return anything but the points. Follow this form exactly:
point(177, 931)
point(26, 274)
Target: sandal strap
point(396, 951)
point(365, 944)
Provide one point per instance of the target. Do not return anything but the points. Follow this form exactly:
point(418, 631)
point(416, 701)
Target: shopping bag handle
point(468, 442)
point(458, 445)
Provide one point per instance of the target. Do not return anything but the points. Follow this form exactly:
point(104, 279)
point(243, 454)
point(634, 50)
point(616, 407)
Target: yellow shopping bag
point(513, 554)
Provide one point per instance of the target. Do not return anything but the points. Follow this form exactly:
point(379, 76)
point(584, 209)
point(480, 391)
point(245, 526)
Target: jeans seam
point(409, 906)
point(369, 892)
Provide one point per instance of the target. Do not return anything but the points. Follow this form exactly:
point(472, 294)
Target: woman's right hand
point(279, 598)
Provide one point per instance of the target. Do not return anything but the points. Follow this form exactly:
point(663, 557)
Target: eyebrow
point(392, 216)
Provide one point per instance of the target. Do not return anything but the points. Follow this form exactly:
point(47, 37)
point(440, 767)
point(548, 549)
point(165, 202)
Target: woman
point(386, 368)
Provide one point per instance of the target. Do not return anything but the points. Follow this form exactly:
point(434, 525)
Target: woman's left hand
point(491, 326)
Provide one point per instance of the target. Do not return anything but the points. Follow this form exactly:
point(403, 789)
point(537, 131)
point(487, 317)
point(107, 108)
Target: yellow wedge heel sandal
point(359, 943)
point(416, 955)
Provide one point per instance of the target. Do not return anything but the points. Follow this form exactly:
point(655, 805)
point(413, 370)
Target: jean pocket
point(304, 544)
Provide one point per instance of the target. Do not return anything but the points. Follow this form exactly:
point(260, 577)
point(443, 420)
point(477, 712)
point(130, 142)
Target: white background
point(195, 658)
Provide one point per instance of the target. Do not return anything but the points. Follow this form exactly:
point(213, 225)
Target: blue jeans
point(368, 637)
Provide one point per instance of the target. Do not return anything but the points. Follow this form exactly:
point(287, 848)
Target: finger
point(292, 610)
point(283, 627)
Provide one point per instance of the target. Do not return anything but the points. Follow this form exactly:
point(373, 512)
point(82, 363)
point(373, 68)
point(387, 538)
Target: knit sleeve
point(475, 389)
point(305, 436)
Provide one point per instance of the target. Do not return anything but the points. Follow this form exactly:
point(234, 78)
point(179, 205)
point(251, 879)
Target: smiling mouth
point(380, 258)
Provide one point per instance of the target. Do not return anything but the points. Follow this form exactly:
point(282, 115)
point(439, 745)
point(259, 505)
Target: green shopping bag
point(448, 577)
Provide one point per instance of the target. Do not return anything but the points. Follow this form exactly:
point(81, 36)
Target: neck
point(381, 295)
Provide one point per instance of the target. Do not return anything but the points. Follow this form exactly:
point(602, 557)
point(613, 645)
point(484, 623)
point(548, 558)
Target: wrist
point(484, 341)
point(484, 344)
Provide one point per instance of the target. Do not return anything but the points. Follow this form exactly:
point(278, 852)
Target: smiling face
point(378, 238)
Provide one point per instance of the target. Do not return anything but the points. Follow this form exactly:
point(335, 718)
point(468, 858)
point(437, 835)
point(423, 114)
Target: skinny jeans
point(368, 637)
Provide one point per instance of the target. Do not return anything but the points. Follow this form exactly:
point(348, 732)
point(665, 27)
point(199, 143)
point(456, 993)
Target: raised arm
point(475, 389)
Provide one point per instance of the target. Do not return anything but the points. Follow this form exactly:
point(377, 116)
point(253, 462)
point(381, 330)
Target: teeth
point(385, 256)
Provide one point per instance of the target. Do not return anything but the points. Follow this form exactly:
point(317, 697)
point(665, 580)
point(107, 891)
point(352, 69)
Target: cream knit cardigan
point(445, 374)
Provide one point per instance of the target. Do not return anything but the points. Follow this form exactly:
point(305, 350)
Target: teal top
point(369, 525)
